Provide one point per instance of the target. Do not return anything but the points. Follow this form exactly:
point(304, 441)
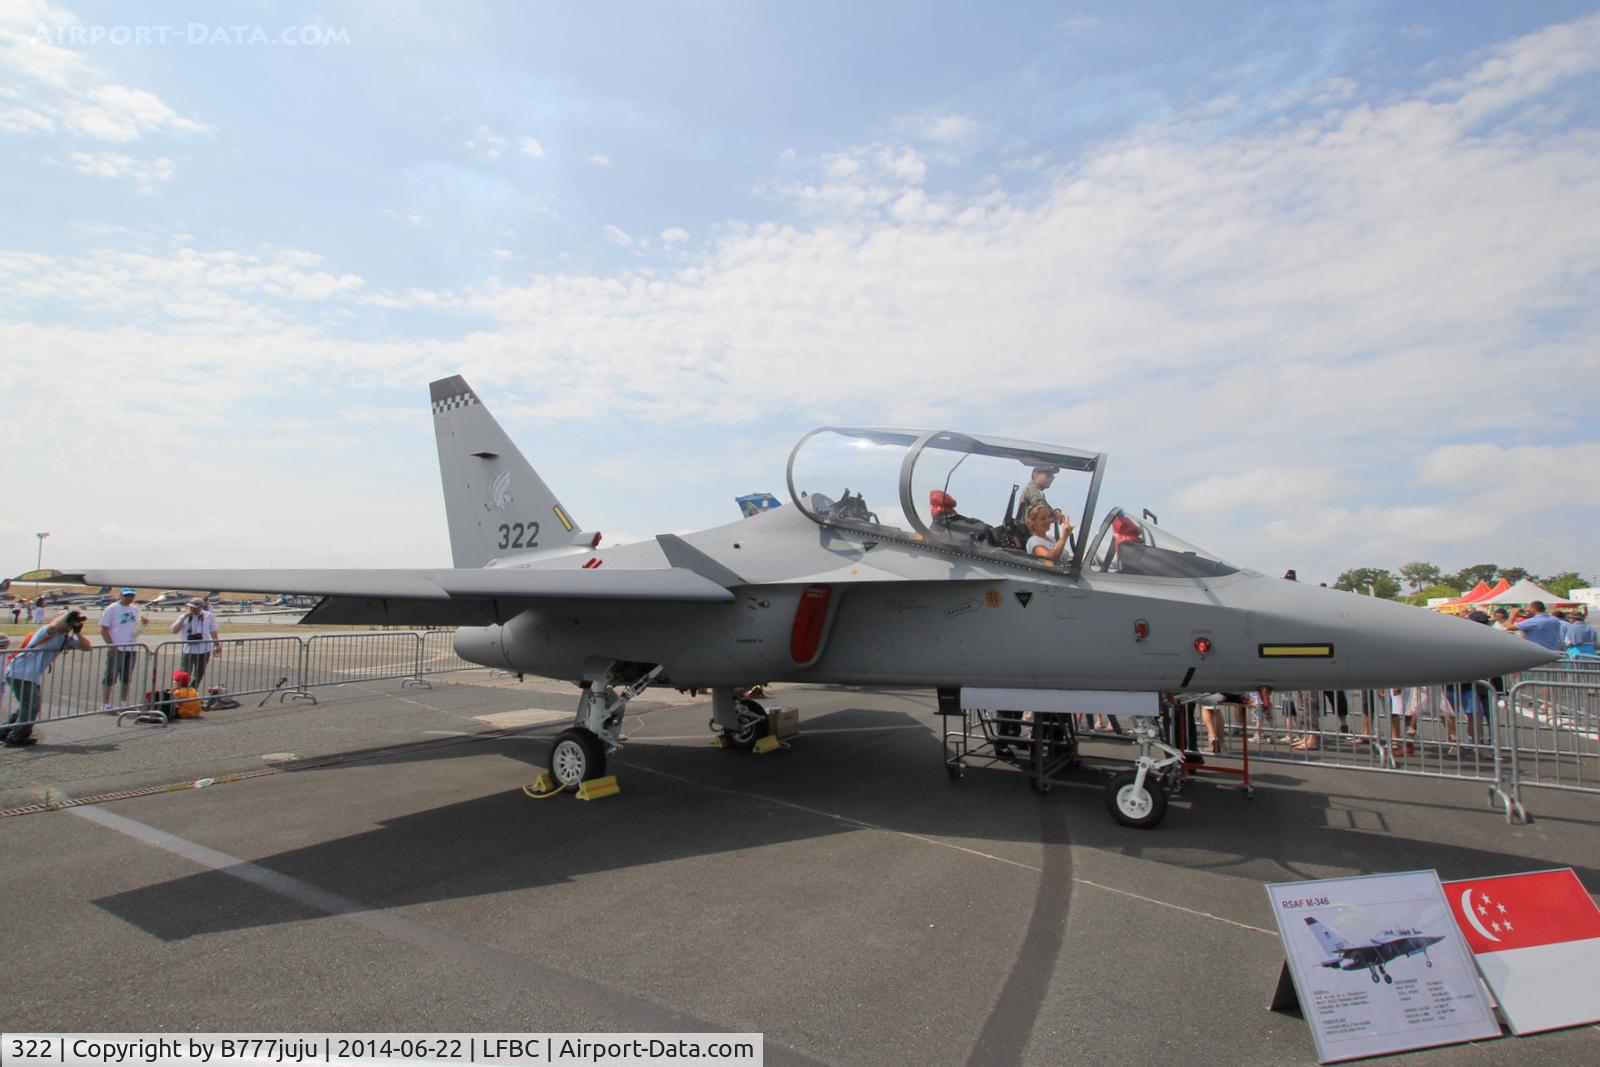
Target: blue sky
point(1320, 277)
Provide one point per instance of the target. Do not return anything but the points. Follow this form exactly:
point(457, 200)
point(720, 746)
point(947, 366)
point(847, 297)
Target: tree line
point(1428, 581)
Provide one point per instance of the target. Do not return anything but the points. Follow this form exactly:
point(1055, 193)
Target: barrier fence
point(439, 654)
point(337, 659)
point(1537, 729)
point(90, 681)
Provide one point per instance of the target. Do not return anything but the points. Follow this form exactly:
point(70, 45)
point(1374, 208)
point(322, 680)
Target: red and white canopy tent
point(1479, 594)
point(1523, 593)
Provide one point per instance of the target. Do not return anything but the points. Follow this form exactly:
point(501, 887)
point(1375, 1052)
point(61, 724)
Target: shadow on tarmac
point(684, 800)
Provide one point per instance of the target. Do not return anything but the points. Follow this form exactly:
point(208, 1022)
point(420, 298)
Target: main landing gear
point(580, 751)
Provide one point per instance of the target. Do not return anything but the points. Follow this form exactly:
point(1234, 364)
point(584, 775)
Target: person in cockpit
point(1033, 492)
point(1039, 519)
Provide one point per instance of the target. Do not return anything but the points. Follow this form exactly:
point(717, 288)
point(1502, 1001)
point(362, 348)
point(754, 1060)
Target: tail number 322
point(519, 535)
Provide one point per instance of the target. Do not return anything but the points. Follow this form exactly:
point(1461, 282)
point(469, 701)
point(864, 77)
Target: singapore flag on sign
point(1536, 938)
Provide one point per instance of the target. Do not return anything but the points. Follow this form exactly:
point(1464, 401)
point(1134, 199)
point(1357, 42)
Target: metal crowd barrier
point(1444, 731)
point(290, 666)
point(339, 659)
point(1540, 728)
point(1553, 731)
point(242, 666)
point(74, 684)
point(439, 654)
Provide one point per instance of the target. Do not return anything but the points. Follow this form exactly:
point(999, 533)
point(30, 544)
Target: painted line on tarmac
point(863, 824)
point(1175, 907)
point(644, 1013)
point(803, 733)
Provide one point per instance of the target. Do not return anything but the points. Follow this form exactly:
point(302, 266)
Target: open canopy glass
point(940, 488)
point(964, 493)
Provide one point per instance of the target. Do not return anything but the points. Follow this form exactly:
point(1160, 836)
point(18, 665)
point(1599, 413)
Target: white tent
point(1524, 592)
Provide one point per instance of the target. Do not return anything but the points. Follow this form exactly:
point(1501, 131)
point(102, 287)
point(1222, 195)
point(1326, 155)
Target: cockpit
point(966, 494)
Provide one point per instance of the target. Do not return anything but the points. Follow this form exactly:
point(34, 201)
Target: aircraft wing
point(464, 596)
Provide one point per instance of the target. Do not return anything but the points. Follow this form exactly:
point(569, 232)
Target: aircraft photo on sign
point(1378, 965)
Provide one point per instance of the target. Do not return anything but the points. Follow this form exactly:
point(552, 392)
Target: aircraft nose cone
point(1414, 646)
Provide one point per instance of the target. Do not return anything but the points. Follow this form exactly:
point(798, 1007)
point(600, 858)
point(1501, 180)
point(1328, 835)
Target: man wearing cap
point(199, 629)
point(119, 629)
point(1033, 492)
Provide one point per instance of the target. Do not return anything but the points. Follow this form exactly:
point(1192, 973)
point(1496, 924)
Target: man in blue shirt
point(1578, 635)
point(27, 667)
point(1542, 629)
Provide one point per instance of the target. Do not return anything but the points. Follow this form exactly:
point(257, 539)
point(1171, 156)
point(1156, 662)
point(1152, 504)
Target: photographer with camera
point(199, 629)
point(26, 669)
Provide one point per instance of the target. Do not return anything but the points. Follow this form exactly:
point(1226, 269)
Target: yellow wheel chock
point(595, 788)
point(544, 786)
point(719, 742)
point(767, 744)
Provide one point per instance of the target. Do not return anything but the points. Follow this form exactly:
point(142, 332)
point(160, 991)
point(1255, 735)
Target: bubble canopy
point(939, 487)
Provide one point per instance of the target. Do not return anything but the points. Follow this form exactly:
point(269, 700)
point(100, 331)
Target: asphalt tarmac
point(372, 864)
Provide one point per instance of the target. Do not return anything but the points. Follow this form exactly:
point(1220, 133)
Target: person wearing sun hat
point(185, 697)
point(119, 628)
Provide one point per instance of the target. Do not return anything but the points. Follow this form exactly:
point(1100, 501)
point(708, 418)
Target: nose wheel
point(1137, 804)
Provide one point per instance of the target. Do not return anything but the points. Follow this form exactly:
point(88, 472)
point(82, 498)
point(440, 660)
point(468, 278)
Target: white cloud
point(485, 144)
point(531, 148)
point(504, 253)
point(146, 172)
point(599, 160)
point(1525, 475)
point(1271, 330)
point(948, 129)
point(407, 217)
point(46, 88)
point(842, 166)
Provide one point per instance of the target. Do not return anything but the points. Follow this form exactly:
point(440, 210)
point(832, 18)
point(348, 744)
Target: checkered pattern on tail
point(440, 407)
point(451, 394)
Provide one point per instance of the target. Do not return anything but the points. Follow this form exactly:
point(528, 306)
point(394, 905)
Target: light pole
point(39, 563)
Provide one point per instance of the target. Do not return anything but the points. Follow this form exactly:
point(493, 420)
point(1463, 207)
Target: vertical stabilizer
point(496, 503)
point(1331, 941)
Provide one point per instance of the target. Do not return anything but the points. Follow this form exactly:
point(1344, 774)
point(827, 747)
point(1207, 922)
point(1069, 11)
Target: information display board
point(1379, 965)
point(1537, 941)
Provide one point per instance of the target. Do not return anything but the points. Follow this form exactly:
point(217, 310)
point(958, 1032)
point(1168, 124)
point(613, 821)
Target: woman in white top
point(1039, 519)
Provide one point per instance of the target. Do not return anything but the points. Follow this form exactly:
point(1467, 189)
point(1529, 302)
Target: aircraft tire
point(753, 725)
point(1374, 975)
point(1389, 979)
point(1140, 810)
point(577, 756)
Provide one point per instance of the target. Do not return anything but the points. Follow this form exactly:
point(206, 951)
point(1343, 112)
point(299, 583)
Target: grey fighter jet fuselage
point(871, 578)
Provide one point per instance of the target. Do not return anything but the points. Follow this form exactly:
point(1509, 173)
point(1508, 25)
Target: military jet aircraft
point(873, 577)
point(1373, 955)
